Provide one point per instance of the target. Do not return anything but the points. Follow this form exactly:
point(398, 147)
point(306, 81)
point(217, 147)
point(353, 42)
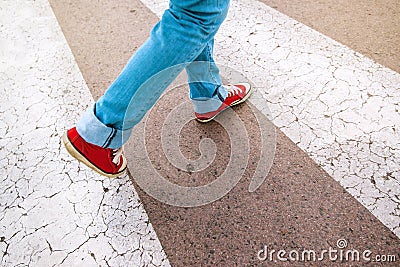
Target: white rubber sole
point(77, 155)
point(233, 104)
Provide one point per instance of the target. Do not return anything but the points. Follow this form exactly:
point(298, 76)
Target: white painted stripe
point(53, 211)
point(335, 104)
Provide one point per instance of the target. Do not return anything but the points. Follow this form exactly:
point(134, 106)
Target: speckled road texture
point(335, 104)
point(54, 211)
point(337, 144)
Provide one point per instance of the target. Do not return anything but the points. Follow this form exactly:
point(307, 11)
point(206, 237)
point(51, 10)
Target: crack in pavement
point(55, 212)
point(334, 103)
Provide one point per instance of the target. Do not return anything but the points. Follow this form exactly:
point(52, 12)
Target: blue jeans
point(183, 39)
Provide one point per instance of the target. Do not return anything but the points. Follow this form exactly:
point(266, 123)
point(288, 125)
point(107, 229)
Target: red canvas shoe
point(106, 161)
point(237, 94)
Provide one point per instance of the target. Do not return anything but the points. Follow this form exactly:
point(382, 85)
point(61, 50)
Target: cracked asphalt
point(336, 172)
point(335, 104)
point(54, 211)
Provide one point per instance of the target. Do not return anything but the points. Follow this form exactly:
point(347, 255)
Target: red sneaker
point(237, 94)
point(106, 161)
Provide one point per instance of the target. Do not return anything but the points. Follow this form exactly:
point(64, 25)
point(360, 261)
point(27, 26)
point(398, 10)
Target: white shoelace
point(117, 153)
point(233, 90)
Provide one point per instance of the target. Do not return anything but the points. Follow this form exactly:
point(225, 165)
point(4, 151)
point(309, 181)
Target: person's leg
point(184, 31)
point(206, 90)
point(208, 95)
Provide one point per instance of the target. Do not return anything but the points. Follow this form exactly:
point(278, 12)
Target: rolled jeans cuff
point(204, 105)
point(93, 131)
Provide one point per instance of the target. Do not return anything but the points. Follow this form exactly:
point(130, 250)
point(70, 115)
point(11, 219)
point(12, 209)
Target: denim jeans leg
point(206, 90)
point(184, 31)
